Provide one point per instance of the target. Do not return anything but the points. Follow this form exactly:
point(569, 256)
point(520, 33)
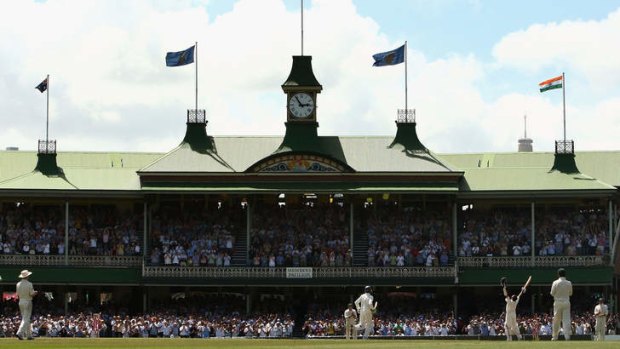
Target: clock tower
point(302, 150)
point(301, 88)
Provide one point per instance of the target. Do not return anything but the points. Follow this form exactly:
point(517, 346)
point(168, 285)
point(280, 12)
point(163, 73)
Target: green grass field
point(133, 343)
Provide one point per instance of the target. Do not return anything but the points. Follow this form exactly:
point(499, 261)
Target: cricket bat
point(527, 283)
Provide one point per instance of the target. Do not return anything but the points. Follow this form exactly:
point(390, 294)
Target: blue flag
point(42, 86)
point(176, 59)
point(393, 57)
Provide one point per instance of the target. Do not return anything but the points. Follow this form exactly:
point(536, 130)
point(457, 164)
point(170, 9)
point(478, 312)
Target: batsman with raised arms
point(510, 323)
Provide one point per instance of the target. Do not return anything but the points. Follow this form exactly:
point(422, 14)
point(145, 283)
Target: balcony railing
point(325, 272)
point(275, 273)
point(73, 261)
point(520, 262)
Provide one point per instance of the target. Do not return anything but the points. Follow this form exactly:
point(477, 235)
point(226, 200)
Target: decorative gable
point(300, 163)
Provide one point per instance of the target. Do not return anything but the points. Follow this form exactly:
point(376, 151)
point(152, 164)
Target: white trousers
point(511, 328)
point(25, 308)
point(561, 313)
point(365, 324)
point(349, 329)
point(599, 328)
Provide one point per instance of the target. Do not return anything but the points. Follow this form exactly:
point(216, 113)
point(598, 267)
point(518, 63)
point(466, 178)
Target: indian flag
point(551, 84)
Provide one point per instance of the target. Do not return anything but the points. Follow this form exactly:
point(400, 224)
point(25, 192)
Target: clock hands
point(299, 102)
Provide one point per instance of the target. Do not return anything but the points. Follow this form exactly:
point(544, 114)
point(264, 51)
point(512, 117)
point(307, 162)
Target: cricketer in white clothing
point(25, 292)
point(365, 308)
point(561, 290)
point(510, 324)
point(600, 314)
point(350, 319)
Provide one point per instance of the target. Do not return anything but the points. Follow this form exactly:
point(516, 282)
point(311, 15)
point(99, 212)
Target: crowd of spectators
point(300, 237)
point(192, 237)
point(94, 230)
point(221, 315)
point(536, 325)
point(306, 235)
point(559, 232)
point(397, 315)
point(186, 315)
point(566, 232)
point(154, 325)
point(408, 237)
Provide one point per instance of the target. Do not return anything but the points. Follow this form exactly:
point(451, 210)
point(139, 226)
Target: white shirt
point(601, 310)
point(511, 307)
point(24, 290)
point(350, 314)
point(364, 303)
point(562, 289)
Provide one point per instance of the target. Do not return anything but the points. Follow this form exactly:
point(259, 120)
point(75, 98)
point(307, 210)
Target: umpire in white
point(600, 314)
point(25, 292)
point(561, 290)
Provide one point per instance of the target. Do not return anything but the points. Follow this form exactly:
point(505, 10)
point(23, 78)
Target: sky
point(473, 70)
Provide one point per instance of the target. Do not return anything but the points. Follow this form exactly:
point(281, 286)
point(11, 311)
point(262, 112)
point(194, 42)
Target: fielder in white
point(600, 314)
point(561, 290)
point(510, 323)
point(350, 320)
point(25, 292)
point(365, 307)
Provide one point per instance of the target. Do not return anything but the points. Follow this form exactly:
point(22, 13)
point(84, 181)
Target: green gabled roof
point(604, 165)
point(364, 154)
point(185, 159)
point(483, 172)
point(373, 154)
point(528, 179)
point(77, 179)
point(232, 154)
point(80, 171)
point(531, 172)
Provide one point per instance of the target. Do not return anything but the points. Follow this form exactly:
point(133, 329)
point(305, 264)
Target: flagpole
point(302, 27)
point(196, 56)
point(406, 94)
point(47, 118)
point(564, 103)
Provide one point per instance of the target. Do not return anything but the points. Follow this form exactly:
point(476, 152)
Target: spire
point(196, 133)
point(46, 159)
point(406, 134)
point(525, 144)
point(302, 76)
point(564, 160)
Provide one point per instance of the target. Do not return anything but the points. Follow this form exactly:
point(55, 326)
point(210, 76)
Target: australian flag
point(42, 86)
point(393, 57)
point(176, 59)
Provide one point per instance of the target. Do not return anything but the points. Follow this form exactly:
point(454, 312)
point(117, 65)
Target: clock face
point(301, 105)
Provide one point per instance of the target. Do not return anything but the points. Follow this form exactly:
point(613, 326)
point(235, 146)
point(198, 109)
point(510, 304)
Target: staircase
point(240, 251)
point(360, 248)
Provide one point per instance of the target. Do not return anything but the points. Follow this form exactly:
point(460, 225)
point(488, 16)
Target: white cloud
point(110, 89)
point(586, 48)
